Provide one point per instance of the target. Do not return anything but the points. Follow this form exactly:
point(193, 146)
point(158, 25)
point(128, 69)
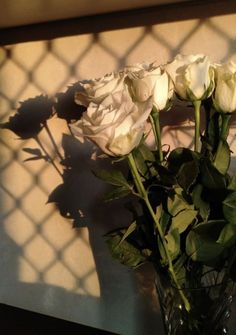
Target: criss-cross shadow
point(79, 198)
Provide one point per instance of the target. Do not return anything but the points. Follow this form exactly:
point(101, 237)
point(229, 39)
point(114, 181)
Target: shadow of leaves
point(68, 195)
point(35, 154)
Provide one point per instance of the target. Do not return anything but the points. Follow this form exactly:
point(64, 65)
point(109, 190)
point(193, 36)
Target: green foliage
point(129, 231)
point(232, 183)
point(194, 201)
point(222, 157)
point(173, 246)
point(183, 220)
point(229, 208)
point(178, 157)
point(165, 177)
point(173, 243)
point(213, 131)
point(165, 220)
point(188, 174)
point(113, 177)
point(211, 178)
point(184, 164)
point(124, 249)
point(228, 235)
point(201, 242)
point(117, 193)
point(144, 159)
point(199, 203)
point(176, 203)
point(116, 178)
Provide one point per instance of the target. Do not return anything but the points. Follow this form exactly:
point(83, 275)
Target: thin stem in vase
point(155, 122)
point(144, 195)
point(197, 111)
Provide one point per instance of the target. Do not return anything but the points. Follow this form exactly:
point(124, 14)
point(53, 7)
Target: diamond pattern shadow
point(48, 70)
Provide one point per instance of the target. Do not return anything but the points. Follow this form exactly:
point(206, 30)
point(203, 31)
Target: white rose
point(97, 90)
point(192, 75)
point(136, 67)
point(224, 97)
point(117, 128)
point(150, 82)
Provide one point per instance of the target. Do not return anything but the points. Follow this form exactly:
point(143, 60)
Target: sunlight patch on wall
point(40, 246)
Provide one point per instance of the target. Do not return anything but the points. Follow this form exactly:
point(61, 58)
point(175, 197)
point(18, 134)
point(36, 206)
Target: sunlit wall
point(46, 265)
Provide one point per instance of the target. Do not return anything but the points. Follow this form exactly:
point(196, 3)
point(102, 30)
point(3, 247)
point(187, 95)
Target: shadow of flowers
point(65, 106)
point(30, 117)
point(67, 195)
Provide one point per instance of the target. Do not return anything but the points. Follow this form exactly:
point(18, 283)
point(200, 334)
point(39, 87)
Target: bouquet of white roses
point(187, 197)
point(185, 216)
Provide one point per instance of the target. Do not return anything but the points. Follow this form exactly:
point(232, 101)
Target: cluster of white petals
point(116, 127)
point(224, 97)
point(193, 76)
point(119, 104)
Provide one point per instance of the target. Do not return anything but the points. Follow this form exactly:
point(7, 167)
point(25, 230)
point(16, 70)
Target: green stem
point(155, 122)
point(224, 126)
point(223, 132)
point(197, 110)
point(144, 195)
point(207, 109)
point(137, 180)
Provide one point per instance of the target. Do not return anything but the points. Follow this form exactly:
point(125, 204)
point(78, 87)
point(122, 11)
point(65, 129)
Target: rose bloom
point(224, 97)
point(150, 81)
point(115, 128)
point(136, 67)
point(98, 89)
point(192, 75)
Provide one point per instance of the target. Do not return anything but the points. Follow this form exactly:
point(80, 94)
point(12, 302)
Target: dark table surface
point(21, 322)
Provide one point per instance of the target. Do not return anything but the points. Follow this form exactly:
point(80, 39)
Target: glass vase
point(210, 302)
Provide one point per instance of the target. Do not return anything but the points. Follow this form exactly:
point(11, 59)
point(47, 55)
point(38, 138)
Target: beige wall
point(38, 11)
point(47, 266)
